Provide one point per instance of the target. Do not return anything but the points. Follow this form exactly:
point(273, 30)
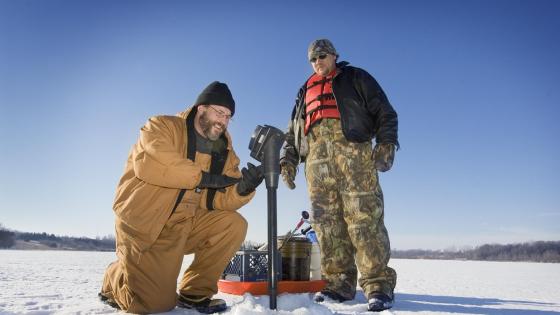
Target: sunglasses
point(313, 60)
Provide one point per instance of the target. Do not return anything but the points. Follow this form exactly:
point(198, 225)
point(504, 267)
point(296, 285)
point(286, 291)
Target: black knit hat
point(217, 93)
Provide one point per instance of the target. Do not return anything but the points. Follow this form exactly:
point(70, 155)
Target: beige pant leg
point(215, 238)
point(146, 282)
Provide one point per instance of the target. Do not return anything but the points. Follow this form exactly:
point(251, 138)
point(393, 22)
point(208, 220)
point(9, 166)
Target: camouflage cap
point(320, 46)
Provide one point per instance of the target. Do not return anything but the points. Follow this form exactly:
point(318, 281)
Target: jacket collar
point(342, 64)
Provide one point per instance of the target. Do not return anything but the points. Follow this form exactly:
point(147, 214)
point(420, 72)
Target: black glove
point(252, 177)
point(383, 156)
point(288, 164)
point(216, 181)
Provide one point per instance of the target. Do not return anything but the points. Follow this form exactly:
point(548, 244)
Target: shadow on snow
point(467, 305)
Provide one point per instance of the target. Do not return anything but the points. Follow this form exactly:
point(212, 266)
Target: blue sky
point(475, 84)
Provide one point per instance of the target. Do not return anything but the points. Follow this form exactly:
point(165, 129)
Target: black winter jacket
point(365, 111)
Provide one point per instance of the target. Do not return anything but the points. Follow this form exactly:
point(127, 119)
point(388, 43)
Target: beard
point(208, 125)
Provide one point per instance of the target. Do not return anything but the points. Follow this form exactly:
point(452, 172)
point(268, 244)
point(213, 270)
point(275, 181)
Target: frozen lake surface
point(67, 282)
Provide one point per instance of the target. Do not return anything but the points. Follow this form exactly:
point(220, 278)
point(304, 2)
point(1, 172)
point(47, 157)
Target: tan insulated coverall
point(151, 240)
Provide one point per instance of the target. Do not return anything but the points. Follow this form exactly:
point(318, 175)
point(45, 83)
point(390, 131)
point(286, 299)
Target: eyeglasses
point(313, 60)
point(221, 114)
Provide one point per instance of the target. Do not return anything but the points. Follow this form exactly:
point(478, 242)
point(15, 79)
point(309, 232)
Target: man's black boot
point(321, 296)
point(107, 300)
point(202, 304)
point(378, 301)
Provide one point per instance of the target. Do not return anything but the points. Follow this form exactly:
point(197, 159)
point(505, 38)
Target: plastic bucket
point(296, 258)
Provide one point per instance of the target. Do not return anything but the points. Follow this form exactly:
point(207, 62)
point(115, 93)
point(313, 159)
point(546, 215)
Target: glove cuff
point(242, 190)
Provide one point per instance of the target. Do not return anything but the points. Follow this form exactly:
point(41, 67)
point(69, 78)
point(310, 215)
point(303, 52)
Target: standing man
point(179, 195)
point(338, 111)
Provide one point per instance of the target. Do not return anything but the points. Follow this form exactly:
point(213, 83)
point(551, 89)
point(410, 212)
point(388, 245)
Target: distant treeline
point(11, 239)
point(540, 251)
point(7, 238)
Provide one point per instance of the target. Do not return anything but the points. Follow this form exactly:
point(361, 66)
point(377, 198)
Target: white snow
point(65, 282)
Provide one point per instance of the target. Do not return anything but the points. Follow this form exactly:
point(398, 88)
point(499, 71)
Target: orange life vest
point(319, 100)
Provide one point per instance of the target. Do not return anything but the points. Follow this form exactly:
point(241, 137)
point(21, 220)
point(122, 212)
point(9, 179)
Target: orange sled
point(261, 287)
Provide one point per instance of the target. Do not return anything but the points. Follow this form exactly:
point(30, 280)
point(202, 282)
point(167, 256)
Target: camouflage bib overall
point(347, 212)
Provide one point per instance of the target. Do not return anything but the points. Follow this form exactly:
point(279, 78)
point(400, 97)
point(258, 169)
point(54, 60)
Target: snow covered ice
point(67, 282)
